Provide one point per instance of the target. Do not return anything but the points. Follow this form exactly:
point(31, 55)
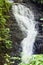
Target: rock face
point(16, 37)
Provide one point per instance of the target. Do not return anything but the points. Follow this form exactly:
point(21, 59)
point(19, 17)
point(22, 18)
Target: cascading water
point(26, 22)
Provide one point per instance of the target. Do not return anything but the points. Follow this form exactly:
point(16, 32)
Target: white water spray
point(26, 22)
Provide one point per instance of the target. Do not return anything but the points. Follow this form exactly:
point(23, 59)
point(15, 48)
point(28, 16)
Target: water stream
point(26, 21)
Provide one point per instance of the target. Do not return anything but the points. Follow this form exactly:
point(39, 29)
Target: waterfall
point(26, 21)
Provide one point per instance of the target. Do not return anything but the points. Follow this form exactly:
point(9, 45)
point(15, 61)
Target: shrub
point(5, 42)
point(35, 60)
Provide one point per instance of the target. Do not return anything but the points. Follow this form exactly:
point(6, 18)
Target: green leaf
point(41, 19)
point(5, 64)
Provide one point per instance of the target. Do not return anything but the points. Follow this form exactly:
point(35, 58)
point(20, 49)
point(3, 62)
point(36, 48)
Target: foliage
point(5, 42)
point(9, 58)
point(35, 60)
point(4, 31)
